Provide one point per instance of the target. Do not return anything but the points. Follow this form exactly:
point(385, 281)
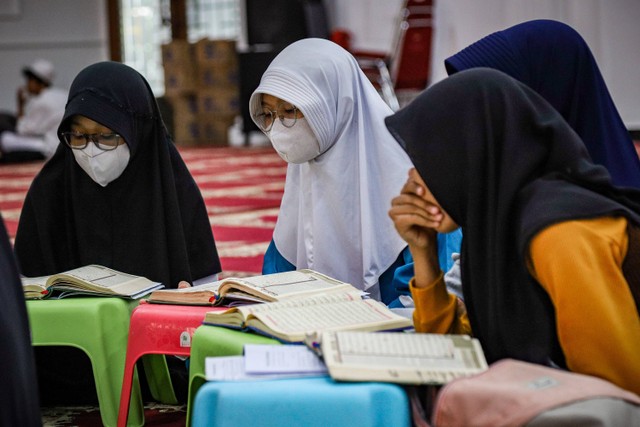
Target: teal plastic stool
point(99, 327)
point(308, 402)
point(210, 341)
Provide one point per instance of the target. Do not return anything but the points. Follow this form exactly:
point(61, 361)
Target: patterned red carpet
point(242, 188)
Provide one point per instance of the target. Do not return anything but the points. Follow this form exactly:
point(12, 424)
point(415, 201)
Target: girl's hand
point(415, 218)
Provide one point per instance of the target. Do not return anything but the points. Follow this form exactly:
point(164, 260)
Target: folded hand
point(414, 217)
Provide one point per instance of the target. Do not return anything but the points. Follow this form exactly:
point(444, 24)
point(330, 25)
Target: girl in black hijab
point(550, 255)
point(115, 193)
point(122, 197)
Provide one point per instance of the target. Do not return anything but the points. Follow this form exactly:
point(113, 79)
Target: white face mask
point(102, 166)
point(297, 144)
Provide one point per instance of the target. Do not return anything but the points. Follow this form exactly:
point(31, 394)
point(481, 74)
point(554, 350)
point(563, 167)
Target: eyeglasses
point(104, 141)
point(287, 113)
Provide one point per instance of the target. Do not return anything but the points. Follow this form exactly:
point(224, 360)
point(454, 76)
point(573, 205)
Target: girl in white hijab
point(325, 118)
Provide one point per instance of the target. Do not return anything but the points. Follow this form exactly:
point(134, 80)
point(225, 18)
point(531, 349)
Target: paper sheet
point(231, 368)
point(283, 359)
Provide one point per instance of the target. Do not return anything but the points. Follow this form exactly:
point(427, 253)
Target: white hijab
point(333, 216)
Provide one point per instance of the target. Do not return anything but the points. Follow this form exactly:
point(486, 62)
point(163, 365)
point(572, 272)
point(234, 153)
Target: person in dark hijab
point(555, 61)
point(19, 404)
point(116, 192)
point(550, 250)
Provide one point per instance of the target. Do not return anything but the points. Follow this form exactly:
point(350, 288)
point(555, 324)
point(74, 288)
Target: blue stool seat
point(309, 402)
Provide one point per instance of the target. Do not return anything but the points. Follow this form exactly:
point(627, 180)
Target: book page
point(34, 287)
point(230, 317)
point(330, 298)
point(205, 294)
point(211, 287)
point(232, 368)
point(416, 358)
point(96, 275)
point(290, 284)
point(34, 282)
point(102, 279)
point(293, 320)
point(274, 358)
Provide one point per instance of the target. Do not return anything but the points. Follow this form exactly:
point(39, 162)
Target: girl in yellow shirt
point(548, 259)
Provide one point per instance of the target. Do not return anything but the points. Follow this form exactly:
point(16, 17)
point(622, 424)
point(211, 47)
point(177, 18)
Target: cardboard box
point(184, 107)
point(215, 129)
point(179, 80)
point(215, 101)
point(187, 132)
point(209, 52)
point(186, 121)
point(177, 53)
point(217, 75)
point(179, 69)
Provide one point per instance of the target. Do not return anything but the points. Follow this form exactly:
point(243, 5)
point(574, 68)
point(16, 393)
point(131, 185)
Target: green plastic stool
point(99, 327)
point(210, 341)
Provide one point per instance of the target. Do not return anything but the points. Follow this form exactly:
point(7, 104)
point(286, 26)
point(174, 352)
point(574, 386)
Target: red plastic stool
point(158, 329)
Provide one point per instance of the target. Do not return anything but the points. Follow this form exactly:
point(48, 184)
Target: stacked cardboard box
point(201, 83)
point(218, 89)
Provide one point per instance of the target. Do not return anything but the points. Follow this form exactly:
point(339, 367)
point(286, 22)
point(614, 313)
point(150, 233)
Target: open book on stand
point(90, 280)
point(293, 320)
point(404, 358)
point(254, 289)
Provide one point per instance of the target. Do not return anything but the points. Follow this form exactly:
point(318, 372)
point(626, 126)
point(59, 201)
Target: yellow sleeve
point(437, 311)
point(579, 264)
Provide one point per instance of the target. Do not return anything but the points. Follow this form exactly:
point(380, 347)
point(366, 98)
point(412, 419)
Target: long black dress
point(18, 388)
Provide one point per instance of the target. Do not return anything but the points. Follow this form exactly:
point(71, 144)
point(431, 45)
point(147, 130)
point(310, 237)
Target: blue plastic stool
point(309, 402)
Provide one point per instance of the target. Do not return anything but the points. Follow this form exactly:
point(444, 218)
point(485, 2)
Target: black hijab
point(19, 388)
point(150, 221)
point(504, 165)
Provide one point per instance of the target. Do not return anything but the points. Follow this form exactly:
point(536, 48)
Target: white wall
point(372, 23)
point(73, 34)
point(610, 27)
point(70, 33)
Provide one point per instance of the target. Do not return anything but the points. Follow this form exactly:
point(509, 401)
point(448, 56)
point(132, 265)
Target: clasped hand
point(415, 217)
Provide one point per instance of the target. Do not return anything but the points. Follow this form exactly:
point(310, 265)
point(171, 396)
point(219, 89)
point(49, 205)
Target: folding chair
point(403, 73)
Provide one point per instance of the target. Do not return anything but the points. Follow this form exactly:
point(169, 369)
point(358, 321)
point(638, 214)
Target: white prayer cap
point(40, 69)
